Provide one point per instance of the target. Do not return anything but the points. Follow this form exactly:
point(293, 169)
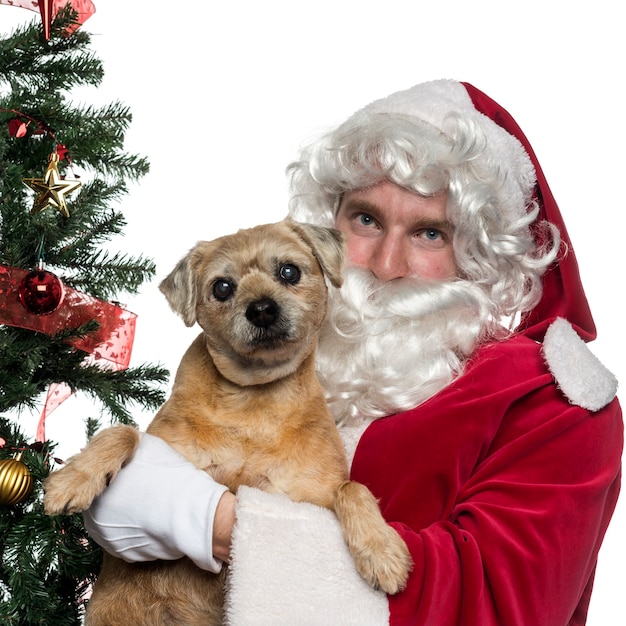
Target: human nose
point(388, 260)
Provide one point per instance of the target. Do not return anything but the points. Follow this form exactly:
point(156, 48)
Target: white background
point(224, 93)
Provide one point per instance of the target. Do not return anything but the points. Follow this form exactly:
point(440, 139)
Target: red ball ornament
point(41, 292)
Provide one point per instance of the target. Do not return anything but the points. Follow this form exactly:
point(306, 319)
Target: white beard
point(388, 347)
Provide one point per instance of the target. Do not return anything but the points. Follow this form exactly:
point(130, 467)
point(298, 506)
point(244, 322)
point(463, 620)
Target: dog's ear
point(179, 288)
point(328, 246)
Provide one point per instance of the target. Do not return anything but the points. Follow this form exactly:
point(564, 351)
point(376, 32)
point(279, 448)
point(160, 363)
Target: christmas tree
point(61, 330)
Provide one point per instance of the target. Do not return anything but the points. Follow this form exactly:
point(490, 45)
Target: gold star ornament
point(51, 189)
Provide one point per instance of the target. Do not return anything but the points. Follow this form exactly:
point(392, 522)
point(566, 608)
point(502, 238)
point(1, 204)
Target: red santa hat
point(509, 149)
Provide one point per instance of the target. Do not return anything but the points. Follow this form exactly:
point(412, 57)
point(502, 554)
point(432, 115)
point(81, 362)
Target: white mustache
point(378, 302)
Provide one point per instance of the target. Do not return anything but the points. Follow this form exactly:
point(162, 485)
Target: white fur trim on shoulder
point(577, 371)
point(290, 565)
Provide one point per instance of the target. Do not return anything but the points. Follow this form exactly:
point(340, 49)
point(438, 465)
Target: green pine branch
point(29, 63)
point(47, 564)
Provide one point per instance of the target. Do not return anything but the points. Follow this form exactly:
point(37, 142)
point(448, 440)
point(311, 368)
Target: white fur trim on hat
point(578, 372)
point(432, 102)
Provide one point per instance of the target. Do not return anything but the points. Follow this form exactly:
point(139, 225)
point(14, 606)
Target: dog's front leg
point(85, 476)
point(380, 554)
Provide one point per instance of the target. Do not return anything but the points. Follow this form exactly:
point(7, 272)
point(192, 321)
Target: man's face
point(395, 233)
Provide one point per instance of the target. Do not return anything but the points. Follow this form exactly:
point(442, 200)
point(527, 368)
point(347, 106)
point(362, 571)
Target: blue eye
point(222, 289)
point(365, 219)
point(432, 233)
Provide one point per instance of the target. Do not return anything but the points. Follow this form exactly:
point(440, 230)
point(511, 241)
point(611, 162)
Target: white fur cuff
point(579, 374)
point(290, 566)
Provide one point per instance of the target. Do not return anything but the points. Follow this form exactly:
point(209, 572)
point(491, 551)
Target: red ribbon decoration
point(110, 345)
point(49, 8)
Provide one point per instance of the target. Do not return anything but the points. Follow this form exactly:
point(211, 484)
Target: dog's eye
point(289, 273)
point(223, 289)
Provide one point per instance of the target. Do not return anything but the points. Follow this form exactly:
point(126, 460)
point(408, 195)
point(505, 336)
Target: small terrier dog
point(246, 407)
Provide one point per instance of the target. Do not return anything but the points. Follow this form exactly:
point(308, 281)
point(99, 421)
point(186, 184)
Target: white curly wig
point(426, 139)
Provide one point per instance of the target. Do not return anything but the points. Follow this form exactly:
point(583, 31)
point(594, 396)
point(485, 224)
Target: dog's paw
point(387, 562)
point(380, 555)
point(73, 488)
point(68, 491)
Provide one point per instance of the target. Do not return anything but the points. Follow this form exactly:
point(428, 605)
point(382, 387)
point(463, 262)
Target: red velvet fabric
point(501, 489)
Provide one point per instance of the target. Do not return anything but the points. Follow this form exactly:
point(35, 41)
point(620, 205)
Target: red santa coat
point(501, 485)
point(503, 522)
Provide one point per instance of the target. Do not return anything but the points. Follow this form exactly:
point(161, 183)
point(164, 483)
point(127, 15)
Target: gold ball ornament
point(16, 481)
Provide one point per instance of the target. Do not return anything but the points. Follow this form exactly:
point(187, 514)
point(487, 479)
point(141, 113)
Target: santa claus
point(454, 360)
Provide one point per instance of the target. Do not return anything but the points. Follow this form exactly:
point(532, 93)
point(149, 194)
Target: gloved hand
point(159, 506)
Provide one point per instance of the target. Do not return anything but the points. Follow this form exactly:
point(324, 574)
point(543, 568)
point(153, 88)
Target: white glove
point(159, 506)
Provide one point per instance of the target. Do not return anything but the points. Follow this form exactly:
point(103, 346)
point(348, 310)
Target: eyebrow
point(365, 206)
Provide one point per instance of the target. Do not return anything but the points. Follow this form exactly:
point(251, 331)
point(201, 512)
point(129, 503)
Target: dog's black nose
point(262, 313)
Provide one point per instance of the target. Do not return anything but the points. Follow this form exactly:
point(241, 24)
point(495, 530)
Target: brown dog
point(247, 408)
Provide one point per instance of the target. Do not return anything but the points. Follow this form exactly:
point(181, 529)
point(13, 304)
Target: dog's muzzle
point(268, 327)
point(262, 313)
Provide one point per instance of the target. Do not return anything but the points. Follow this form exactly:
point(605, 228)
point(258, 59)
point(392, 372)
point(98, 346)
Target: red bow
point(49, 8)
point(111, 344)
